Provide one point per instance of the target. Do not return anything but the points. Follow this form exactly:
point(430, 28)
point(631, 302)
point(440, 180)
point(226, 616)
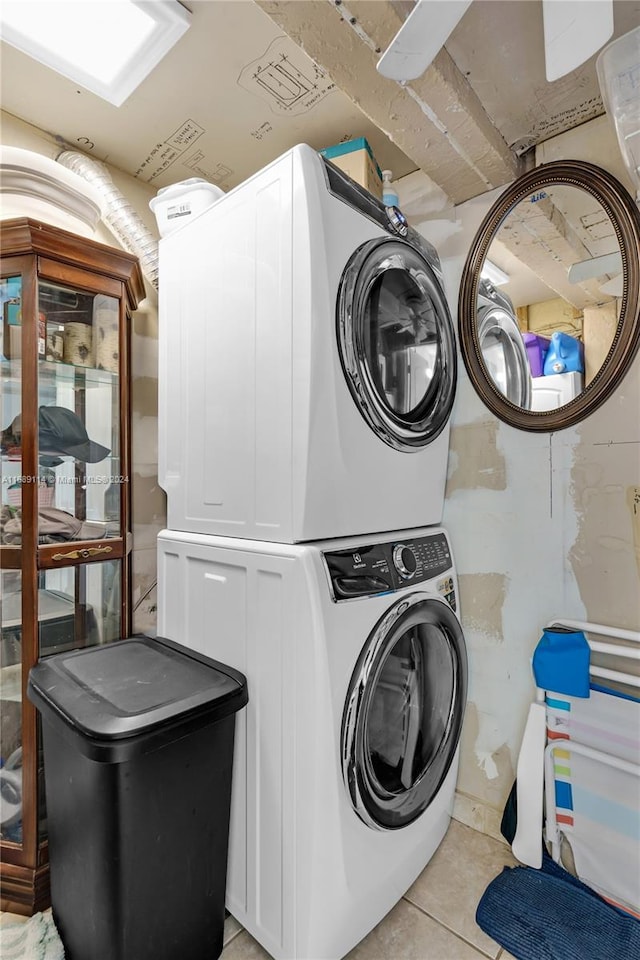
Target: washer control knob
point(397, 220)
point(404, 560)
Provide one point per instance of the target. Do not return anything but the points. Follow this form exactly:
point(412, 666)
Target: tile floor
point(435, 918)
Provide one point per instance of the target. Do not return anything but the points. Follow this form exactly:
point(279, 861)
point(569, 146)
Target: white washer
point(346, 757)
point(307, 362)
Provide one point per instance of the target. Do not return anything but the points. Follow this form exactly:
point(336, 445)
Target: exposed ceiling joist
point(436, 120)
point(542, 238)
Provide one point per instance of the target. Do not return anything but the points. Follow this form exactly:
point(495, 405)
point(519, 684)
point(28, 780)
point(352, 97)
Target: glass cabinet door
point(11, 706)
point(79, 468)
point(79, 606)
point(11, 653)
point(78, 415)
point(11, 406)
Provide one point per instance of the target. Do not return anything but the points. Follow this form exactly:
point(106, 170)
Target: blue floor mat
point(548, 914)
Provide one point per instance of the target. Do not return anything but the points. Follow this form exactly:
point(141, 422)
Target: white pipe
point(628, 678)
point(614, 650)
point(610, 649)
point(120, 216)
point(602, 631)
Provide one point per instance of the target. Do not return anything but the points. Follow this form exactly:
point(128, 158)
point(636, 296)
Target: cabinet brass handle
point(81, 554)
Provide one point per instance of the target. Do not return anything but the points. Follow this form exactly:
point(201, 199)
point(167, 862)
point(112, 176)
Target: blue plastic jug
point(565, 355)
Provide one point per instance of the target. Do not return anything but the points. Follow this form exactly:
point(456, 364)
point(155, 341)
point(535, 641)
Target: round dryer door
point(396, 343)
point(504, 354)
point(404, 711)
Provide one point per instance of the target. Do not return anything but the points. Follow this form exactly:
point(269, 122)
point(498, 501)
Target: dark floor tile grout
point(232, 938)
point(233, 935)
point(440, 923)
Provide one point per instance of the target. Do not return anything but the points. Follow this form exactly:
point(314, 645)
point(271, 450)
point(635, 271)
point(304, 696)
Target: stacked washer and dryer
point(307, 377)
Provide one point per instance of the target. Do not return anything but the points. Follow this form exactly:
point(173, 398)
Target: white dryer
point(503, 349)
point(346, 757)
point(307, 362)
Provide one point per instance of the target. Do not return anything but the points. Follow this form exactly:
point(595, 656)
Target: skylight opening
point(106, 46)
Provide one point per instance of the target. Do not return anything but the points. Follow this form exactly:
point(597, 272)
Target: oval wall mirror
point(549, 308)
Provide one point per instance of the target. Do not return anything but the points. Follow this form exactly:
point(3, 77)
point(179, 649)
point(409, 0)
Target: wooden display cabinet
point(65, 516)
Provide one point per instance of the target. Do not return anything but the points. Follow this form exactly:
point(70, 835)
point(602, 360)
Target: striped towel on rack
point(598, 806)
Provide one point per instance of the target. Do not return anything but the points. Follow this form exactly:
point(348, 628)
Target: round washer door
point(505, 355)
point(404, 709)
point(396, 343)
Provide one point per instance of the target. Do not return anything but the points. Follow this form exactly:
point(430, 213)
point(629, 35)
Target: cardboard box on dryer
point(356, 159)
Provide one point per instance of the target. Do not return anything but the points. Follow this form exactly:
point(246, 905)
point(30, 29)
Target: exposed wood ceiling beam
point(436, 120)
point(541, 237)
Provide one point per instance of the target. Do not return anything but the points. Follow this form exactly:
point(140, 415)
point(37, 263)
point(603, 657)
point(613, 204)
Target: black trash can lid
point(130, 687)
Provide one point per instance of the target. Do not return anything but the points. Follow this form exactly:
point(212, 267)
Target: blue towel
point(561, 663)
point(548, 914)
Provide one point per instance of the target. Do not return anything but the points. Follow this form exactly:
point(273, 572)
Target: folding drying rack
point(624, 739)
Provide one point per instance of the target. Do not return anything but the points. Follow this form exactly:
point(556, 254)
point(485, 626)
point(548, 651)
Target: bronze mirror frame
point(625, 217)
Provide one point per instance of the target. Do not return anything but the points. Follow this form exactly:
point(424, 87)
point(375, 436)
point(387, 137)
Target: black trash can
point(138, 748)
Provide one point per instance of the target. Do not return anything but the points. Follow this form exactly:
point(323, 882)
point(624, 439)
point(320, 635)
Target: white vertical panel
point(169, 572)
point(174, 261)
point(218, 591)
point(221, 372)
point(267, 816)
point(273, 319)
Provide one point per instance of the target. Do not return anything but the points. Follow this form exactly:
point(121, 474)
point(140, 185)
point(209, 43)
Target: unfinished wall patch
point(144, 396)
point(485, 771)
point(605, 492)
point(144, 590)
point(149, 501)
point(482, 464)
point(633, 502)
point(145, 324)
point(482, 597)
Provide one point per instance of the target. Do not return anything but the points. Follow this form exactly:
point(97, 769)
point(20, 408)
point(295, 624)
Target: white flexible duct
point(120, 217)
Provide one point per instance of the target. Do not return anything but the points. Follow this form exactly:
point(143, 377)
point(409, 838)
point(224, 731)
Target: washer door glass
point(396, 343)
point(505, 355)
point(404, 711)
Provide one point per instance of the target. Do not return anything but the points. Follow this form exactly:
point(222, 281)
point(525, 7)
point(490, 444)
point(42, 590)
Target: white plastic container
point(618, 68)
point(180, 203)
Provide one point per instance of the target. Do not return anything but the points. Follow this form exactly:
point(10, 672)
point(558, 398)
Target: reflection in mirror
point(560, 251)
point(556, 266)
point(502, 344)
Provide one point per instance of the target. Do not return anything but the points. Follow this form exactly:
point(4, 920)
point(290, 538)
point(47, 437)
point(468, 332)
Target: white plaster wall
point(543, 525)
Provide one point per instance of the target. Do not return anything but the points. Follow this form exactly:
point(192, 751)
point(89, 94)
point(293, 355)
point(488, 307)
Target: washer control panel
point(384, 567)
